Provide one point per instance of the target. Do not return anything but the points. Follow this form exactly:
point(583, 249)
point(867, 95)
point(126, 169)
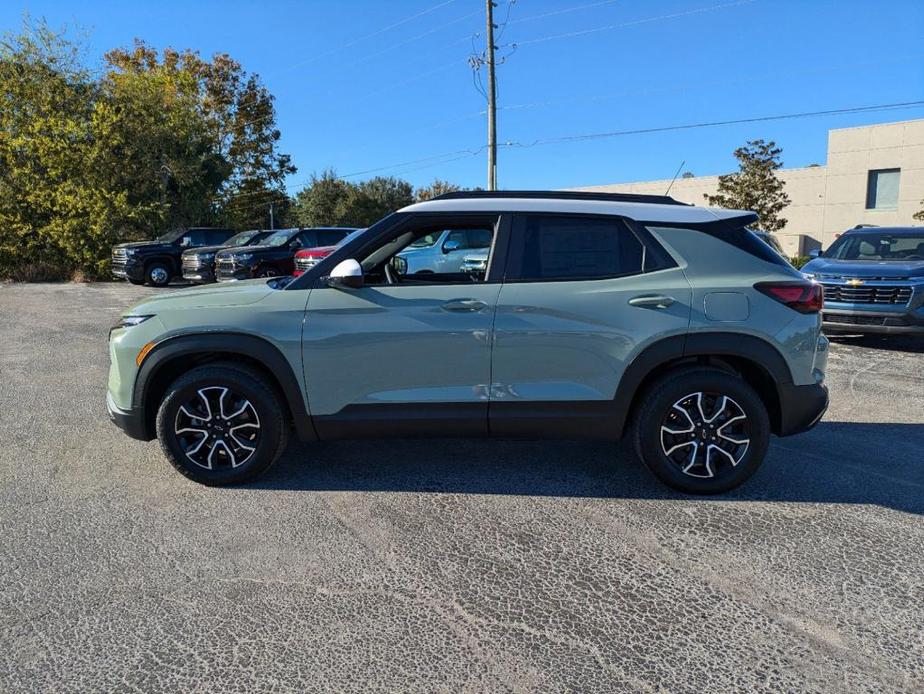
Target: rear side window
point(738, 236)
point(561, 247)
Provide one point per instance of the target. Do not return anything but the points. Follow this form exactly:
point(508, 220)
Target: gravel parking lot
point(448, 565)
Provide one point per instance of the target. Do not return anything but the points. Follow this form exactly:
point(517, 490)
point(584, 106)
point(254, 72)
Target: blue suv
point(873, 278)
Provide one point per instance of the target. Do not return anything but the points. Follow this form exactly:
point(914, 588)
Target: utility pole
point(492, 106)
point(271, 217)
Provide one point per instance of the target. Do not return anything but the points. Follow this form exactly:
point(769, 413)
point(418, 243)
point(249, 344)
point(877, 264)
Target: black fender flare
point(232, 344)
point(691, 345)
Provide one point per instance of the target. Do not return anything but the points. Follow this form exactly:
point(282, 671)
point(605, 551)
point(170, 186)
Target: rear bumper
point(129, 421)
point(801, 407)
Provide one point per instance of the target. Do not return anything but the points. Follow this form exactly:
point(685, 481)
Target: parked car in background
point(768, 238)
point(307, 258)
point(873, 279)
point(198, 264)
point(443, 250)
point(599, 315)
point(275, 255)
point(476, 264)
point(159, 261)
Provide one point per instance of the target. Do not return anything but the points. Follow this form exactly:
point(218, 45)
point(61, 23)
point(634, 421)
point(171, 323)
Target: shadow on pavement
point(894, 343)
point(837, 462)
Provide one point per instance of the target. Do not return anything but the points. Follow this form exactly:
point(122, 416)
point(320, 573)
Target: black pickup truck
point(157, 262)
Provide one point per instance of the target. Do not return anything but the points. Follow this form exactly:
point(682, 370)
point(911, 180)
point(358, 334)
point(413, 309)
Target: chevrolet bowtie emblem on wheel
point(854, 283)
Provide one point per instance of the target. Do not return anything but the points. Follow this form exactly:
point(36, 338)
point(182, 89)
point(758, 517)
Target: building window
point(882, 189)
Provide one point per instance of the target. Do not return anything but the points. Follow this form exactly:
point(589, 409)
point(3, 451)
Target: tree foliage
point(331, 201)
point(755, 186)
point(920, 214)
point(435, 189)
point(160, 140)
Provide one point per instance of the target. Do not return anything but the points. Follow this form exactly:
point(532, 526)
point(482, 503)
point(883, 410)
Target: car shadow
point(837, 463)
point(894, 343)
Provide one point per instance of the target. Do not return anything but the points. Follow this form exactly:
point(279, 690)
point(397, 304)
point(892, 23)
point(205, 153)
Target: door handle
point(651, 301)
point(464, 305)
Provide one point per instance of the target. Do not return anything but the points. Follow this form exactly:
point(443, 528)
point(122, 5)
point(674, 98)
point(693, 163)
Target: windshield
point(426, 241)
point(882, 246)
point(242, 239)
point(171, 236)
point(279, 238)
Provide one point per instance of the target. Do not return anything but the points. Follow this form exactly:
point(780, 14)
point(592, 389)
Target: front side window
point(553, 247)
point(882, 189)
point(423, 255)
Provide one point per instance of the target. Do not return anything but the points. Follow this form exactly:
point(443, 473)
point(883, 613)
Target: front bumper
point(801, 407)
point(130, 421)
point(846, 318)
point(227, 273)
point(128, 270)
point(200, 276)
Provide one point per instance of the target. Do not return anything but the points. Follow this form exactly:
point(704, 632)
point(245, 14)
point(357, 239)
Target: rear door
point(582, 295)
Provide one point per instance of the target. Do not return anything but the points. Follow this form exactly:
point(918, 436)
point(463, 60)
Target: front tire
point(702, 431)
point(222, 424)
point(157, 274)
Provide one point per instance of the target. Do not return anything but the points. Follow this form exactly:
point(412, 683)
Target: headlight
point(244, 257)
point(206, 256)
point(128, 321)
point(129, 252)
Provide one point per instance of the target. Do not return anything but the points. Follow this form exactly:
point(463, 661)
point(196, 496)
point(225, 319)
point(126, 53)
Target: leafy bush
point(799, 260)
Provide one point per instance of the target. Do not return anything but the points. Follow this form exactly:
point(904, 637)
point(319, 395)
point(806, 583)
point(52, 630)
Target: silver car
point(444, 251)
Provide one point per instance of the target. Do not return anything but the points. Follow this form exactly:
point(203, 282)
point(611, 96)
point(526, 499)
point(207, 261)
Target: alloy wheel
point(158, 275)
point(217, 428)
point(705, 433)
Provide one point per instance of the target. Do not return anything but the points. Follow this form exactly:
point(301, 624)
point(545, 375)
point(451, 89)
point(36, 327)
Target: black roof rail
point(561, 195)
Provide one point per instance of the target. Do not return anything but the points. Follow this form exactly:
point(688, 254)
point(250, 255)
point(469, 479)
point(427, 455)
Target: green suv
point(595, 316)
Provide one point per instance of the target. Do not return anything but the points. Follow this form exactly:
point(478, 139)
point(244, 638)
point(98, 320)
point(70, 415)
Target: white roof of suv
point(632, 207)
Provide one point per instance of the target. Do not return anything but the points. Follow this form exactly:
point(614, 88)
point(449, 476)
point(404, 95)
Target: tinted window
point(330, 237)
point(560, 248)
point(195, 237)
point(218, 236)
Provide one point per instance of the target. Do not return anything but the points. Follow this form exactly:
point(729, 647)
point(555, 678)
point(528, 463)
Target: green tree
point(160, 140)
point(369, 201)
point(755, 186)
point(920, 215)
point(435, 189)
point(329, 200)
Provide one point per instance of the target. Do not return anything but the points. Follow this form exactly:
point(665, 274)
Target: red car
point(309, 257)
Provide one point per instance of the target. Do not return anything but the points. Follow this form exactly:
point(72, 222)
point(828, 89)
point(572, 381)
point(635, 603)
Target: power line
point(712, 124)
point(365, 37)
point(608, 27)
point(566, 10)
point(462, 153)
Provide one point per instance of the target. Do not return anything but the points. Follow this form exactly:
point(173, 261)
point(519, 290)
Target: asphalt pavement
point(448, 565)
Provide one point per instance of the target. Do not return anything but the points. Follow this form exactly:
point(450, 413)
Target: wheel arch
point(755, 360)
point(176, 355)
point(168, 260)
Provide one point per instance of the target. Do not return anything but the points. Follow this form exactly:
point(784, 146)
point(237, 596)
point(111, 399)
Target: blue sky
point(356, 95)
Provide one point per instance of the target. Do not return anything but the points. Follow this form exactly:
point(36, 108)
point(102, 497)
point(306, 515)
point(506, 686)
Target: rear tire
point(222, 424)
point(268, 272)
point(702, 430)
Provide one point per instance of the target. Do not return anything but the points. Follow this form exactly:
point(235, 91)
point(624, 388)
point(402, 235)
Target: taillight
point(804, 297)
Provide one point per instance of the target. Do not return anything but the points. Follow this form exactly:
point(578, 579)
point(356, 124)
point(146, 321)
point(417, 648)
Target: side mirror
point(450, 246)
point(347, 274)
point(185, 241)
point(814, 253)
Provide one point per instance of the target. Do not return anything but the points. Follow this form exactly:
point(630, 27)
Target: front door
point(403, 354)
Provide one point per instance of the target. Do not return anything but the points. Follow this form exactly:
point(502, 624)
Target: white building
point(874, 175)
